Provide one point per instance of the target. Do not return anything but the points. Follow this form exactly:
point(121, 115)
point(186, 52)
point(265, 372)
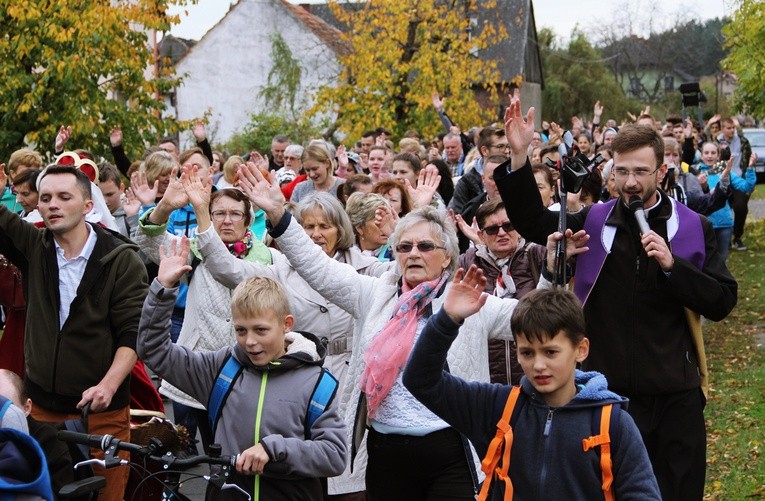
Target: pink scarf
point(388, 352)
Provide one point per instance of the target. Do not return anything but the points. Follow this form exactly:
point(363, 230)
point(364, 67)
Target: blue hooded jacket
point(547, 457)
point(23, 468)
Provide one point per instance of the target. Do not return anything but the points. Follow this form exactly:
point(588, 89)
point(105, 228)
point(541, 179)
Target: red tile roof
point(326, 33)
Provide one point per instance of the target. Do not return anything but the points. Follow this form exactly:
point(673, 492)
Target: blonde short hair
point(26, 157)
point(230, 167)
point(361, 207)
point(157, 164)
point(258, 295)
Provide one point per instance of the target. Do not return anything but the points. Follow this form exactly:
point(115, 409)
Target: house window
point(669, 84)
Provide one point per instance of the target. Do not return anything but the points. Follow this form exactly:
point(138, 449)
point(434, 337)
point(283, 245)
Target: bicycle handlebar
point(107, 442)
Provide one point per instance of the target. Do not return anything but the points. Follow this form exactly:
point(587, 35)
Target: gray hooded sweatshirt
point(266, 404)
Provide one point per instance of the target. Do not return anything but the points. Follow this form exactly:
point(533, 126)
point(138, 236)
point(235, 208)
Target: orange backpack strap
point(604, 441)
point(499, 449)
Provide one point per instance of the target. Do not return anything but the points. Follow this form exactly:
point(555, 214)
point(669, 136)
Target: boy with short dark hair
point(557, 410)
point(263, 417)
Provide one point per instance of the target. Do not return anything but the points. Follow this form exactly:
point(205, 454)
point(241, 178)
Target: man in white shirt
point(85, 287)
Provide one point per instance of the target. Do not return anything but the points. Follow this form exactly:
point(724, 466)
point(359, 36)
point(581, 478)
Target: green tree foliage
point(81, 63)
point(401, 52)
point(575, 78)
point(745, 39)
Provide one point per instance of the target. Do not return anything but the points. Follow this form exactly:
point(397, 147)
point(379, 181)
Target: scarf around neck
point(240, 248)
point(388, 352)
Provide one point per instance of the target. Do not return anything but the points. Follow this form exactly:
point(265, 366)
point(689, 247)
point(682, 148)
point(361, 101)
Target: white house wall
point(225, 71)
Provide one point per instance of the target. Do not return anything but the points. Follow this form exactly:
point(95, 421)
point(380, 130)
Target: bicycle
point(169, 476)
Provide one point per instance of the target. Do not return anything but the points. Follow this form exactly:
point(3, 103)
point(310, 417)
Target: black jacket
point(639, 335)
point(62, 362)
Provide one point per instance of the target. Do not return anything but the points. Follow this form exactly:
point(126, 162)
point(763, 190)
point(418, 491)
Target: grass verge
point(735, 412)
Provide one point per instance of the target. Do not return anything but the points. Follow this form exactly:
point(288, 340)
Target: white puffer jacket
point(370, 300)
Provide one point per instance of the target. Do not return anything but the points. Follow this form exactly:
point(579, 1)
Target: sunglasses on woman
point(494, 228)
point(406, 247)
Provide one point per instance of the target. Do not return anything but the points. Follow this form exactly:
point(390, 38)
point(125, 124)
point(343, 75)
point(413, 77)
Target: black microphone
point(636, 206)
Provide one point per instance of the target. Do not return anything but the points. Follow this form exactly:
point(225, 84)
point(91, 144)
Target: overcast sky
point(560, 15)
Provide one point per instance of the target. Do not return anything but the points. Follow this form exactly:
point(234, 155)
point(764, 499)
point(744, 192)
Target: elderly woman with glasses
point(207, 324)
point(412, 454)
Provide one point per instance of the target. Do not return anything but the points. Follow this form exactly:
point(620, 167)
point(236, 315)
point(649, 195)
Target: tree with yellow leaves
point(400, 53)
point(745, 39)
point(85, 63)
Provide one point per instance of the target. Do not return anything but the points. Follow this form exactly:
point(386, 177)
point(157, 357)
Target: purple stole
point(684, 232)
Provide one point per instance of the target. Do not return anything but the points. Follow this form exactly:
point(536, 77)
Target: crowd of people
point(416, 279)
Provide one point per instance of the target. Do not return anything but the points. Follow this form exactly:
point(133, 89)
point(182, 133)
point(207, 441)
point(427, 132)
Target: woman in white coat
point(412, 453)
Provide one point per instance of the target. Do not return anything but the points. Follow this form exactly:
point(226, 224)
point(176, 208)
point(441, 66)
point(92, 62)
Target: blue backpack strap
point(4, 404)
point(222, 387)
point(323, 393)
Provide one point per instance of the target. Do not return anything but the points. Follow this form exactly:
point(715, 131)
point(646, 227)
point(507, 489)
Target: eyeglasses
point(406, 247)
point(235, 215)
point(500, 146)
point(494, 228)
point(638, 173)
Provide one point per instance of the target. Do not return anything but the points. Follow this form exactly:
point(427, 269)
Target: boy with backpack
point(261, 393)
point(561, 434)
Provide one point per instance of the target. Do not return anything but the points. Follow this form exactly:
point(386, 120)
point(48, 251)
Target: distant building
point(224, 72)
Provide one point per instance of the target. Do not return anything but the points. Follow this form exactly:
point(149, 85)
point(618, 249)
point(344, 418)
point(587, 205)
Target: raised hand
point(131, 205)
point(688, 128)
point(175, 195)
point(197, 191)
point(465, 296)
point(471, 231)
point(199, 131)
point(632, 118)
point(597, 110)
point(173, 262)
point(519, 132)
point(597, 135)
point(63, 137)
point(386, 220)
point(262, 192)
point(115, 136)
point(143, 192)
point(427, 185)
point(342, 162)
point(575, 244)
point(260, 161)
point(726, 171)
point(438, 103)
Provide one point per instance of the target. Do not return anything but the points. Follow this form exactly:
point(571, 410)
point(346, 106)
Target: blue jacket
point(547, 458)
point(723, 218)
point(23, 467)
